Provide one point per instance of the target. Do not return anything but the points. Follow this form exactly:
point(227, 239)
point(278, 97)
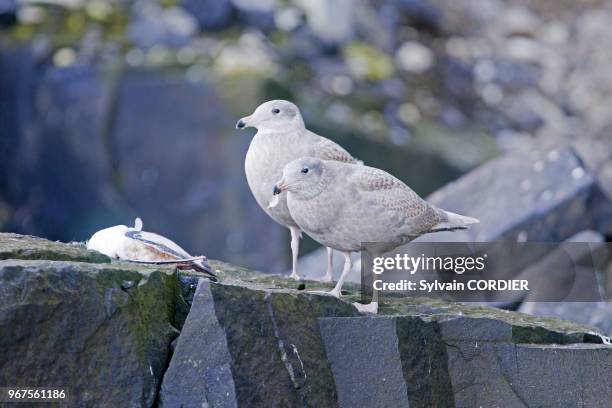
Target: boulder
point(250, 347)
point(53, 141)
point(445, 358)
point(498, 371)
point(594, 313)
point(108, 331)
point(365, 360)
point(571, 272)
point(521, 200)
point(544, 196)
point(101, 330)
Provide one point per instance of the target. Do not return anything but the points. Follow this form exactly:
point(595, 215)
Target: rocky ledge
point(121, 334)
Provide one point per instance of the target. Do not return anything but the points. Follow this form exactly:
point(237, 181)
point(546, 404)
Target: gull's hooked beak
point(279, 187)
point(243, 122)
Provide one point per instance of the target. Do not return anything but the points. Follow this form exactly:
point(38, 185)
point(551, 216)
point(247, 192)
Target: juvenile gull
point(282, 137)
point(134, 244)
point(341, 206)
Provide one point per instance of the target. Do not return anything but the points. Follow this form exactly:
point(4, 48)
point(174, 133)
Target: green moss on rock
point(15, 246)
point(102, 330)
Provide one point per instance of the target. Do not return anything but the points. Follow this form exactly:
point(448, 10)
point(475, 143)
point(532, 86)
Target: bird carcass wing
point(160, 248)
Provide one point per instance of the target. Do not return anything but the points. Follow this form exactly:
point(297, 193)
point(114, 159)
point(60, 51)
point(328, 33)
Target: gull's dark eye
point(275, 111)
point(305, 170)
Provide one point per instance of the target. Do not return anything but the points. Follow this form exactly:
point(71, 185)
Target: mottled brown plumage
point(343, 206)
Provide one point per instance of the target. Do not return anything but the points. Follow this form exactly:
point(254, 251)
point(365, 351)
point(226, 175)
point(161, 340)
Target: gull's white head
point(278, 115)
point(304, 177)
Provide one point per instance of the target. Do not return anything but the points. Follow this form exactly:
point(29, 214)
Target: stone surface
point(105, 330)
point(72, 325)
point(572, 272)
point(16, 246)
point(522, 328)
point(461, 361)
point(200, 371)
point(268, 350)
point(595, 314)
point(364, 359)
point(545, 196)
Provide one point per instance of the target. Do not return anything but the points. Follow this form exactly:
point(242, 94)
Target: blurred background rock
point(116, 109)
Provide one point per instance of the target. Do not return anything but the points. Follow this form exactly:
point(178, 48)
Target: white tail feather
point(455, 221)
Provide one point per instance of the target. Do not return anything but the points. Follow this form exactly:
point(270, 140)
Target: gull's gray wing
point(327, 150)
point(389, 195)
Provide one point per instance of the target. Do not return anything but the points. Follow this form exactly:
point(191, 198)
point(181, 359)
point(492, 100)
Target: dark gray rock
point(572, 272)
point(251, 347)
point(536, 196)
point(520, 115)
point(72, 324)
point(50, 148)
point(16, 246)
point(211, 14)
point(200, 370)
point(453, 360)
point(592, 313)
point(106, 331)
point(17, 81)
point(421, 12)
point(365, 360)
point(495, 371)
point(526, 197)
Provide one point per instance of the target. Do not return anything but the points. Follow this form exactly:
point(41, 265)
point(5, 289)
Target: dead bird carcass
point(132, 244)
